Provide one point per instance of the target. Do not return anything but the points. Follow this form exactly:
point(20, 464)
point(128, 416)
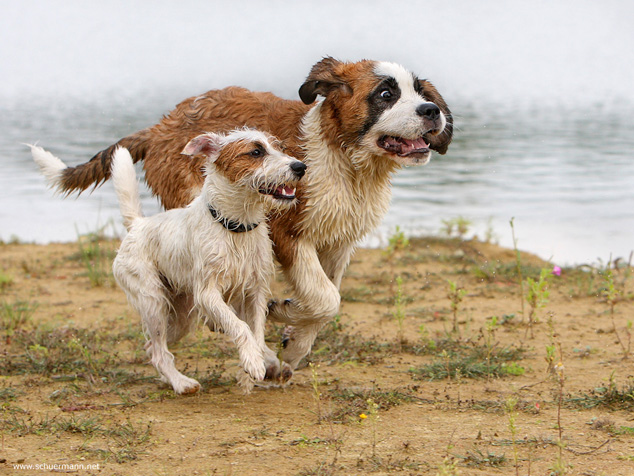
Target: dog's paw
point(271, 305)
point(279, 310)
point(245, 382)
point(185, 385)
point(287, 372)
point(272, 371)
point(256, 368)
point(276, 374)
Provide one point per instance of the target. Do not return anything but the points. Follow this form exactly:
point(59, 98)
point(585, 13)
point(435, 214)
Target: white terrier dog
point(212, 259)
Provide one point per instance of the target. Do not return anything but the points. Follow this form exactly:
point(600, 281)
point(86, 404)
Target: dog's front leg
point(334, 260)
point(212, 304)
point(253, 312)
point(316, 300)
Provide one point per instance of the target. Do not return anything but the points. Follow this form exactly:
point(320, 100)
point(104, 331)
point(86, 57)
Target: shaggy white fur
point(190, 252)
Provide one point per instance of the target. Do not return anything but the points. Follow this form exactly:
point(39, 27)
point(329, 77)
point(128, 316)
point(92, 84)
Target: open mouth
point(281, 192)
point(403, 147)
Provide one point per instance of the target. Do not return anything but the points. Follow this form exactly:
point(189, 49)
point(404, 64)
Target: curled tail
point(66, 180)
point(126, 186)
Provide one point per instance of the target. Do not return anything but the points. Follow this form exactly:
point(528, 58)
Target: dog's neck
point(347, 191)
point(237, 207)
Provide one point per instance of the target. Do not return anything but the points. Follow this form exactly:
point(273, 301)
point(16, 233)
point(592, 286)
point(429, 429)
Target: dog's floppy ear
point(205, 144)
point(322, 80)
point(441, 142)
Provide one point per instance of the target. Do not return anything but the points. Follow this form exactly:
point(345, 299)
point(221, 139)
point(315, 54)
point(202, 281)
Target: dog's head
point(251, 160)
point(381, 108)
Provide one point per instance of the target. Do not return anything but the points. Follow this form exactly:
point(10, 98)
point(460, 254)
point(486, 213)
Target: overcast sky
point(526, 50)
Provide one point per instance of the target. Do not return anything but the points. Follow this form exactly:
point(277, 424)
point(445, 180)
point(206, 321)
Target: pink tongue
point(406, 145)
point(416, 144)
point(285, 190)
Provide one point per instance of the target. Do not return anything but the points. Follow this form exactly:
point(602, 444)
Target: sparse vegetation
point(96, 254)
point(471, 361)
point(75, 381)
point(609, 396)
point(14, 316)
point(518, 265)
point(612, 297)
point(455, 294)
point(537, 297)
point(458, 227)
point(399, 312)
point(5, 281)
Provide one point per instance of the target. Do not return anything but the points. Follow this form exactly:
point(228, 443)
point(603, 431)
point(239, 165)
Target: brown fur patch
point(236, 162)
point(345, 109)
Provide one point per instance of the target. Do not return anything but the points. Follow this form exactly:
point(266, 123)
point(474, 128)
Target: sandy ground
point(76, 388)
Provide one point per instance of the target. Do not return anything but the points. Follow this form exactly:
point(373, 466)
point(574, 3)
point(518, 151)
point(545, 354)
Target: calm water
point(565, 175)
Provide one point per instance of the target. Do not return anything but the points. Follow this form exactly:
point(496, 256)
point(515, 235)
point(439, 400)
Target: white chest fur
point(347, 193)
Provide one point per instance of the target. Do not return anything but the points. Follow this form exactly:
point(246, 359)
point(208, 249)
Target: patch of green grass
point(350, 402)
point(458, 226)
point(125, 441)
point(27, 426)
point(471, 361)
point(5, 281)
point(388, 464)
point(9, 394)
point(497, 271)
point(606, 396)
point(358, 294)
point(607, 425)
point(96, 254)
point(13, 316)
point(334, 345)
point(66, 353)
point(213, 378)
point(475, 458)
point(304, 441)
point(397, 242)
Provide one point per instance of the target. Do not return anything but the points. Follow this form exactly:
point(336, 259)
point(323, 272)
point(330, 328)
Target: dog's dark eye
point(256, 153)
point(386, 94)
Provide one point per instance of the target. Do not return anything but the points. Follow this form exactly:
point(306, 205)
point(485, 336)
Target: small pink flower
point(556, 271)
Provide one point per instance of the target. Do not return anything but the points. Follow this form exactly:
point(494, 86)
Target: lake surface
point(565, 175)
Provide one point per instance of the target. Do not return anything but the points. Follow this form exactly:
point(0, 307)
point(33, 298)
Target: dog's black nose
point(428, 110)
point(299, 168)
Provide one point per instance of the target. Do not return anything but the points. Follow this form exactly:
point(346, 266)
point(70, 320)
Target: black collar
point(234, 226)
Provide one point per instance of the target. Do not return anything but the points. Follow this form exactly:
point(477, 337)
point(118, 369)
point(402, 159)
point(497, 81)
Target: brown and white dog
point(375, 117)
point(216, 250)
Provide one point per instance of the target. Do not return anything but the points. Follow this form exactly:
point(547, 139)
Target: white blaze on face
point(401, 119)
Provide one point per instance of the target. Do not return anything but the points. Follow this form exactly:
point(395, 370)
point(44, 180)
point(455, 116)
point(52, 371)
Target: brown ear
point(204, 144)
point(441, 142)
point(322, 80)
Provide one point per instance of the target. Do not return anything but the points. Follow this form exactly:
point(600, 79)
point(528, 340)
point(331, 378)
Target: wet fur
point(182, 265)
point(346, 191)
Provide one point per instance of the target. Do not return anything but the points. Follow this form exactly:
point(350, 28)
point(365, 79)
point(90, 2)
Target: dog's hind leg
point(148, 296)
point(155, 323)
point(183, 318)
